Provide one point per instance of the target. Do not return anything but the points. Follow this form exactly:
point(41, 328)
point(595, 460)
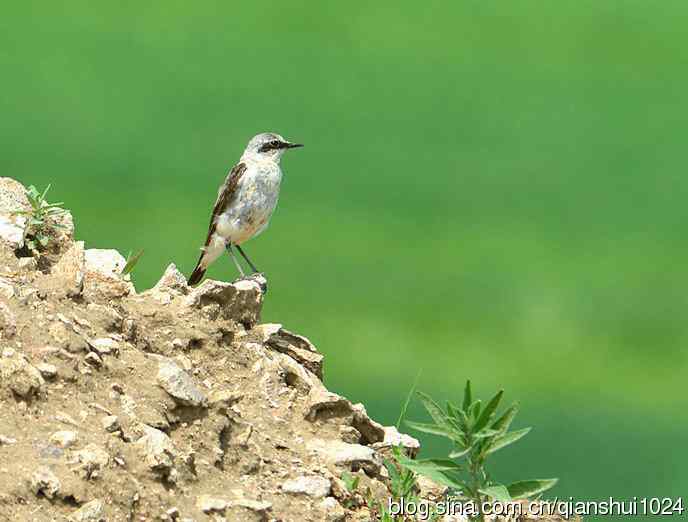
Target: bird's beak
point(294, 145)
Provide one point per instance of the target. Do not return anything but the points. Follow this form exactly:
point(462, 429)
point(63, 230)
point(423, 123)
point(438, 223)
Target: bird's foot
point(259, 278)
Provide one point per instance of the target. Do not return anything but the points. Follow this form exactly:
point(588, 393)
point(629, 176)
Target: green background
point(489, 190)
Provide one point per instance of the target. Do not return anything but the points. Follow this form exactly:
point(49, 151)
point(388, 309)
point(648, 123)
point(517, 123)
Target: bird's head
point(268, 146)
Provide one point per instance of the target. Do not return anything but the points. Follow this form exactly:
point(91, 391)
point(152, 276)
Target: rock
point(6, 289)
point(333, 510)
point(340, 453)
point(179, 384)
point(64, 336)
point(240, 301)
point(371, 431)
point(157, 449)
point(393, 438)
point(66, 277)
point(8, 322)
point(7, 440)
point(20, 377)
point(110, 423)
point(91, 511)
point(49, 371)
point(323, 403)
point(208, 503)
point(12, 225)
point(103, 275)
point(312, 486)
point(64, 439)
point(429, 488)
point(172, 284)
point(45, 482)
point(93, 459)
point(349, 434)
point(321, 400)
point(298, 348)
point(296, 375)
point(27, 264)
point(104, 346)
point(256, 506)
point(93, 359)
point(266, 330)
point(224, 398)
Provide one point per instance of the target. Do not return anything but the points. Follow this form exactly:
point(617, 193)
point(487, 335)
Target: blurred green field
point(488, 190)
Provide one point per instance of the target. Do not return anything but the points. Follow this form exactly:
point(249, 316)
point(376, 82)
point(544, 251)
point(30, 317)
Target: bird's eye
point(274, 143)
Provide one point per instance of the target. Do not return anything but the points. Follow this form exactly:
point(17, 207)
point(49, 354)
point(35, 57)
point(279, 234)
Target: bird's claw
point(257, 277)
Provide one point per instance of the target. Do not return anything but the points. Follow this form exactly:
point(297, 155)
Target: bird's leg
point(236, 262)
point(253, 267)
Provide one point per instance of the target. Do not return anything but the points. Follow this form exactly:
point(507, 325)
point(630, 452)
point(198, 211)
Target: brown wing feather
point(225, 197)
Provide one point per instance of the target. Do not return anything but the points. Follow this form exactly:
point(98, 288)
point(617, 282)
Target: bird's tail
point(198, 272)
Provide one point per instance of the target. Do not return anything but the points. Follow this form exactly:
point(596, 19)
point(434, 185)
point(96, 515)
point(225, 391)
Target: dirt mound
point(170, 404)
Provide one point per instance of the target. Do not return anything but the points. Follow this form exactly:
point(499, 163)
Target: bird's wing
point(225, 196)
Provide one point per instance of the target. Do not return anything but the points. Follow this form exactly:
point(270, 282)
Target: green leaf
point(457, 418)
point(459, 452)
point(505, 419)
point(350, 481)
point(392, 469)
point(433, 429)
point(497, 492)
point(475, 409)
point(506, 439)
point(439, 470)
point(467, 397)
point(433, 409)
point(45, 192)
point(488, 412)
point(402, 413)
point(131, 263)
point(485, 433)
point(529, 488)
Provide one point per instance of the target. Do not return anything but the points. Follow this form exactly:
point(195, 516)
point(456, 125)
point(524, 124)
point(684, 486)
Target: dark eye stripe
point(271, 145)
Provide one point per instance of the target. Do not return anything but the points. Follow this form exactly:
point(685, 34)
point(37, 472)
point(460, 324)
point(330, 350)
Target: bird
point(245, 202)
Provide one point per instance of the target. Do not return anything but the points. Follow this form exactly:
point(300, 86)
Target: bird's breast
point(256, 199)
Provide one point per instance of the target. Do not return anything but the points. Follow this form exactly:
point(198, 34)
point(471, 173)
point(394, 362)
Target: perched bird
point(245, 201)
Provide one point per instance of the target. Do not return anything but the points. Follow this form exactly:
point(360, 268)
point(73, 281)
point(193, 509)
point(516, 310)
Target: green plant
point(350, 482)
point(131, 262)
point(476, 433)
point(42, 221)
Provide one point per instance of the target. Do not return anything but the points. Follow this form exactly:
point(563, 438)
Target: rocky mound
point(171, 404)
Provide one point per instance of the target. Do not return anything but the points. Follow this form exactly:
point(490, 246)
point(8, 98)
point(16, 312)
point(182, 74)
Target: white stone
point(208, 503)
point(313, 486)
point(6, 289)
point(93, 458)
point(91, 511)
point(104, 345)
point(64, 439)
point(47, 370)
point(179, 384)
point(334, 512)
point(157, 448)
point(342, 453)
point(106, 262)
point(45, 482)
point(110, 423)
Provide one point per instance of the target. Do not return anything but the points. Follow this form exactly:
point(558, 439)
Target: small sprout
point(131, 262)
point(42, 219)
